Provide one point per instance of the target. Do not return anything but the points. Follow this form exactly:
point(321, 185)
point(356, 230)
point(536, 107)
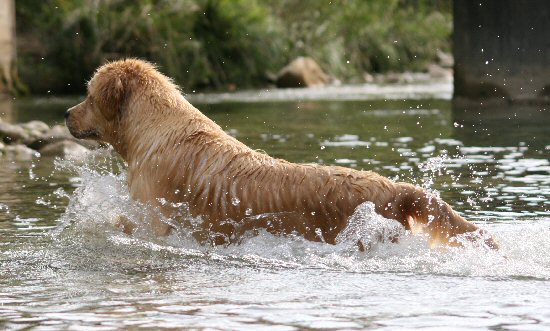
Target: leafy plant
point(225, 44)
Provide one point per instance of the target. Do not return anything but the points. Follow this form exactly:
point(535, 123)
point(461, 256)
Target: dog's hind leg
point(421, 211)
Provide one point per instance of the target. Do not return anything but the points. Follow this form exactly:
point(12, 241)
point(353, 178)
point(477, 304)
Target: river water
point(64, 265)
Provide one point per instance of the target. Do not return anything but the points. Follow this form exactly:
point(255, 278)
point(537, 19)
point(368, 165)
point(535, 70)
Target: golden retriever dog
point(176, 154)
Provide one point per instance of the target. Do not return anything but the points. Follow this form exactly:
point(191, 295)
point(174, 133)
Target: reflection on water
point(6, 109)
point(504, 125)
point(64, 263)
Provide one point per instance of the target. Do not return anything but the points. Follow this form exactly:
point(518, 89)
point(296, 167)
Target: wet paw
point(124, 224)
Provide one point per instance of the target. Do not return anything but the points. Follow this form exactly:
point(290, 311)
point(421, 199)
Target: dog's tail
point(424, 212)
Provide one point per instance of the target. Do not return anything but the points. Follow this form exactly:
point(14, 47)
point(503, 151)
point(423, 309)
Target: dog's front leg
point(124, 224)
point(142, 189)
point(159, 227)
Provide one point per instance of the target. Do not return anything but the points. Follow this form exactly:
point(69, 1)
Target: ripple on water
point(87, 272)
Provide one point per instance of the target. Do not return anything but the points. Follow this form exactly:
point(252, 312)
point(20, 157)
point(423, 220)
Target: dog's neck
point(179, 147)
point(166, 131)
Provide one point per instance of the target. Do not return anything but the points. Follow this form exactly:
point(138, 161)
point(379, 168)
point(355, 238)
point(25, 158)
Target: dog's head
point(110, 90)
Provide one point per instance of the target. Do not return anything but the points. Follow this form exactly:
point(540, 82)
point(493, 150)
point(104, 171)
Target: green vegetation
point(222, 44)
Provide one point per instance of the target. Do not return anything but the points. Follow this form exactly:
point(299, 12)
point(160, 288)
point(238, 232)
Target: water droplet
point(4, 207)
point(42, 201)
point(248, 211)
point(322, 147)
point(235, 201)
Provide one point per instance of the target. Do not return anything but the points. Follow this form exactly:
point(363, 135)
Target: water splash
point(4, 207)
point(88, 236)
point(431, 169)
point(369, 228)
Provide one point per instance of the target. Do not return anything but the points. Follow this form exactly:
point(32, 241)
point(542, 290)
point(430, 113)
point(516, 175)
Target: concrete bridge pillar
point(502, 49)
point(7, 45)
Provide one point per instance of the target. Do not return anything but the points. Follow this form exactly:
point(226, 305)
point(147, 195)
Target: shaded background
point(226, 44)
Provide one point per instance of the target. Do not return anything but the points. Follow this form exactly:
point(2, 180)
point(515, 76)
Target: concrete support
point(502, 49)
point(7, 45)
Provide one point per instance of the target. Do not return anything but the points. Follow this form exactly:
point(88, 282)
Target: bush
point(351, 37)
point(224, 43)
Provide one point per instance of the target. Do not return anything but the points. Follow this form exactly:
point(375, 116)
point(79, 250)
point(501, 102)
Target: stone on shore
point(302, 72)
point(10, 133)
point(66, 149)
point(20, 152)
point(445, 60)
point(437, 71)
point(59, 133)
point(34, 129)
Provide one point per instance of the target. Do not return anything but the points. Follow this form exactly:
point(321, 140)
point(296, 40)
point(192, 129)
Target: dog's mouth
point(85, 134)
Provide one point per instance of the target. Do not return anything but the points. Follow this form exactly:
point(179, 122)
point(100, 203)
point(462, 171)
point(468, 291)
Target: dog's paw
point(124, 224)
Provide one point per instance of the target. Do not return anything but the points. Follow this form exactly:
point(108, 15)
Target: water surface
point(63, 263)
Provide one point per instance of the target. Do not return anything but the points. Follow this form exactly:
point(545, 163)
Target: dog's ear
point(113, 98)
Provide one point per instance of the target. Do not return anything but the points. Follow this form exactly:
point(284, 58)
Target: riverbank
point(413, 86)
point(28, 140)
point(227, 45)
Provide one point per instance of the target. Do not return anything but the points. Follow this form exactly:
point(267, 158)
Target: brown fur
point(176, 153)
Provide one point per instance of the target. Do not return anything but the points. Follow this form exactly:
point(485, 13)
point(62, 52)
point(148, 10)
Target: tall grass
point(350, 37)
point(223, 44)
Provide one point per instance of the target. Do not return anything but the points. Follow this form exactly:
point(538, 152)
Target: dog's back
point(176, 154)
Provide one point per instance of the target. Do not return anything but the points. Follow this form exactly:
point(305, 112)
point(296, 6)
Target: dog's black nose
point(67, 113)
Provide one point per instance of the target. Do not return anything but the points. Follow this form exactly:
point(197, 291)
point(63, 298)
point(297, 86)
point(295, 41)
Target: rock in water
point(58, 133)
point(20, 152)
point(66, 149)
point(11, 133)
point(302, 72)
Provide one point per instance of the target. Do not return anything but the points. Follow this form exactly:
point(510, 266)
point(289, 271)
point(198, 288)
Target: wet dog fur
point(175, 153)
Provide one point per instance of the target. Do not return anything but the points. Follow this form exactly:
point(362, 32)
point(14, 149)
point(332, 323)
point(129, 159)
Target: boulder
point(11, 133)
point(20, 152)
point(302, 72)
point(397, 78)
point(35, 129)
point(58, 131)
point(35, 126)
point(437, 71)
point(445, 60)
point(56, 134)
point(66, 149)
